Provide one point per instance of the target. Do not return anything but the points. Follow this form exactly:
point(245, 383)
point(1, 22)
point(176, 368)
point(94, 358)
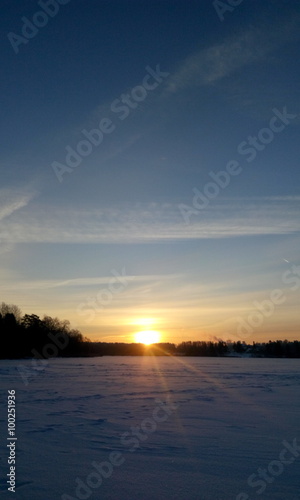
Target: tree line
point(271, 349)
point(29, 336)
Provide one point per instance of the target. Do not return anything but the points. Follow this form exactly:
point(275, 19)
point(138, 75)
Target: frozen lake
point(229, 431)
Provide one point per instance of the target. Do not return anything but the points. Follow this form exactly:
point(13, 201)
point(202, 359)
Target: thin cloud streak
point(80, 282)
point(213, 63)
point(151, 223)
point(11, 201)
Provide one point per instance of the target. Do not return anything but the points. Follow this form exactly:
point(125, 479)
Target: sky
point(149, 167)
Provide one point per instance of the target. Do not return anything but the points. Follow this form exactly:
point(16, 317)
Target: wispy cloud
point(151, 222)
point(11, 201)
point(81, 282)
point(220, 60)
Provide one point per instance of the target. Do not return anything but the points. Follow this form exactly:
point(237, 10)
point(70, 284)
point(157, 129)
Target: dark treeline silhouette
point(123, 349)
point(29, 336)
point(271, 349)
point(203, 348)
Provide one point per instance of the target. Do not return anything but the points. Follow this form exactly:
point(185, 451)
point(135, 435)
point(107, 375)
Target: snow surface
point(232, 417)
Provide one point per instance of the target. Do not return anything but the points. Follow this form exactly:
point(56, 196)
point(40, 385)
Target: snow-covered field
point(103, 424)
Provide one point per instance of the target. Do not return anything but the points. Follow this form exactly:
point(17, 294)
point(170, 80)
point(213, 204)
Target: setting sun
point(147, 337)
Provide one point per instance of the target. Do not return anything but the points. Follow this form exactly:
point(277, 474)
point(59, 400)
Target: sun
point(147, 337)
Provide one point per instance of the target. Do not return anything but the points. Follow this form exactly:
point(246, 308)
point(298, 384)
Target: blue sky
point(140, 235)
